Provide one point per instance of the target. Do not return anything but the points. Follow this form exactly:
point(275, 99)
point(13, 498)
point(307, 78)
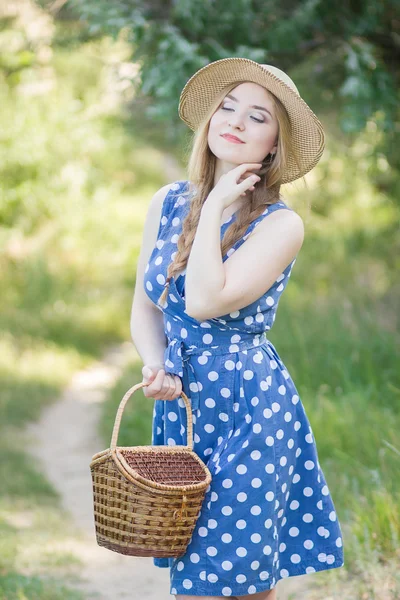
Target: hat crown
point(282, 76)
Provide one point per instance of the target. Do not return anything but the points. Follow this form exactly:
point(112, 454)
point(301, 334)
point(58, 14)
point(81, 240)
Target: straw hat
point(307, 132)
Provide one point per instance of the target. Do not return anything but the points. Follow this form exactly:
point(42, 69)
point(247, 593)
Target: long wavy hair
point(201, 171)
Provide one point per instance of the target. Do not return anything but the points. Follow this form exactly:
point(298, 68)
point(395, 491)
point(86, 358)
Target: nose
point(235, 121)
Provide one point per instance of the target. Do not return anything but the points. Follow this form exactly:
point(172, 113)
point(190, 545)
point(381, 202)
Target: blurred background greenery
point(89, 91)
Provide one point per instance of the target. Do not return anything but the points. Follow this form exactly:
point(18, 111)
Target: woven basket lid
point(307, 131)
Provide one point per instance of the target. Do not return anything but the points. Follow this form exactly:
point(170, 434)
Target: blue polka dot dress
point(267, 513)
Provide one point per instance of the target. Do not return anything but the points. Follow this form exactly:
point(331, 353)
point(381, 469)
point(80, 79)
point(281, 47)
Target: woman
point(225, 247)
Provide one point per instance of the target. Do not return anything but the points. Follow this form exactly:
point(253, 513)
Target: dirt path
point(64, 441)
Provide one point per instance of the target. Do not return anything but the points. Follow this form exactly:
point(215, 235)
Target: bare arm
point(213, 287)
point(147, 326)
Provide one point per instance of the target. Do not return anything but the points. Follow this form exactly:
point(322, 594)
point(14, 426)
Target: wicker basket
point(147, 499)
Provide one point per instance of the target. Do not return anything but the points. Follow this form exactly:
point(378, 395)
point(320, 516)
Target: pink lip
point(232, 138)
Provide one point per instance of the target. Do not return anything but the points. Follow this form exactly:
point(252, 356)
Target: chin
point(236, 156)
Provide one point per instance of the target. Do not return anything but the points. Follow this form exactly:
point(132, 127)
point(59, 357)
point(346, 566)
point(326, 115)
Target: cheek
point(264, 139)
point(215, 121)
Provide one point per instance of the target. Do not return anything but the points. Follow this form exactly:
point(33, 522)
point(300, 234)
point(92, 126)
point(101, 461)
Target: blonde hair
point(201, 171)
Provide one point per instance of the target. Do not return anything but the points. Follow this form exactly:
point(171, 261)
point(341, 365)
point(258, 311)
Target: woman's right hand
point(162, 385)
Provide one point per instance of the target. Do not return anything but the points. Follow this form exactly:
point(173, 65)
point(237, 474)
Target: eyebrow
point(252, 106)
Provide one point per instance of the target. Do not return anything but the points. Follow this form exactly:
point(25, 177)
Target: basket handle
point(125, 399)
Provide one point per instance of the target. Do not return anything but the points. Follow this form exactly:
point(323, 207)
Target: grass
point(75, 184)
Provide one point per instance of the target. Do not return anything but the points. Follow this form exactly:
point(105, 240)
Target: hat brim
point(307, 131)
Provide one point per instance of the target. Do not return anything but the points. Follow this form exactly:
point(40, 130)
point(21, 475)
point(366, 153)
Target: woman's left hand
point(234, 183)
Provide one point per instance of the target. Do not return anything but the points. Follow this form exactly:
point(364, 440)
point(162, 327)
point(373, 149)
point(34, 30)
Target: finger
point(156, 384)
point(170, 387)
point(178, 385)
point(241, 169)
point(251, 189)
point(247, 183)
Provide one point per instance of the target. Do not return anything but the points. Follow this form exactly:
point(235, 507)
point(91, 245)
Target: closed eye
point(254, 118)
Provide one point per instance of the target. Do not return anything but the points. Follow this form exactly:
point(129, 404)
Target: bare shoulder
point(149, 240)
point(158, 198)
point(287, 219)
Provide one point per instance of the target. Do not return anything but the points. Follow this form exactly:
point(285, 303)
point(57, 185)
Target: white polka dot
point(256, 482)
point(294, 504)
point(307, 518)
point(203, 531)
point(269, 496)
point(227, 565)
point(226, 538)
point(339, 542)
point(325, 490)
point(269, 441)
point(241, 497)
point(294, 531)
point(296, 478)
point(267, 549)
point(226, 510)
point(211, 551)
point(255, 455)
point(275, 407)
point(194, 558)
point(180, 566)
point(187, 584)
point(308, 544)
point(309, 465)
point(255, 538)
point(269, 468)
point(308, 491)
point(284, 573)
point(241, 469)
point(226, 591)
point(257, 428)
point(268, 524)
point(283, 461)
point(241, 551)
point(255, 510)
point(310, 570)
point(227, 483)
point(241, 578)
point(209, 428)
point(295, 558)
point(241, 524)
point(212, 577)
point(212, 524)
point(255, 565)
point(330, 559)
point(210, 403)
